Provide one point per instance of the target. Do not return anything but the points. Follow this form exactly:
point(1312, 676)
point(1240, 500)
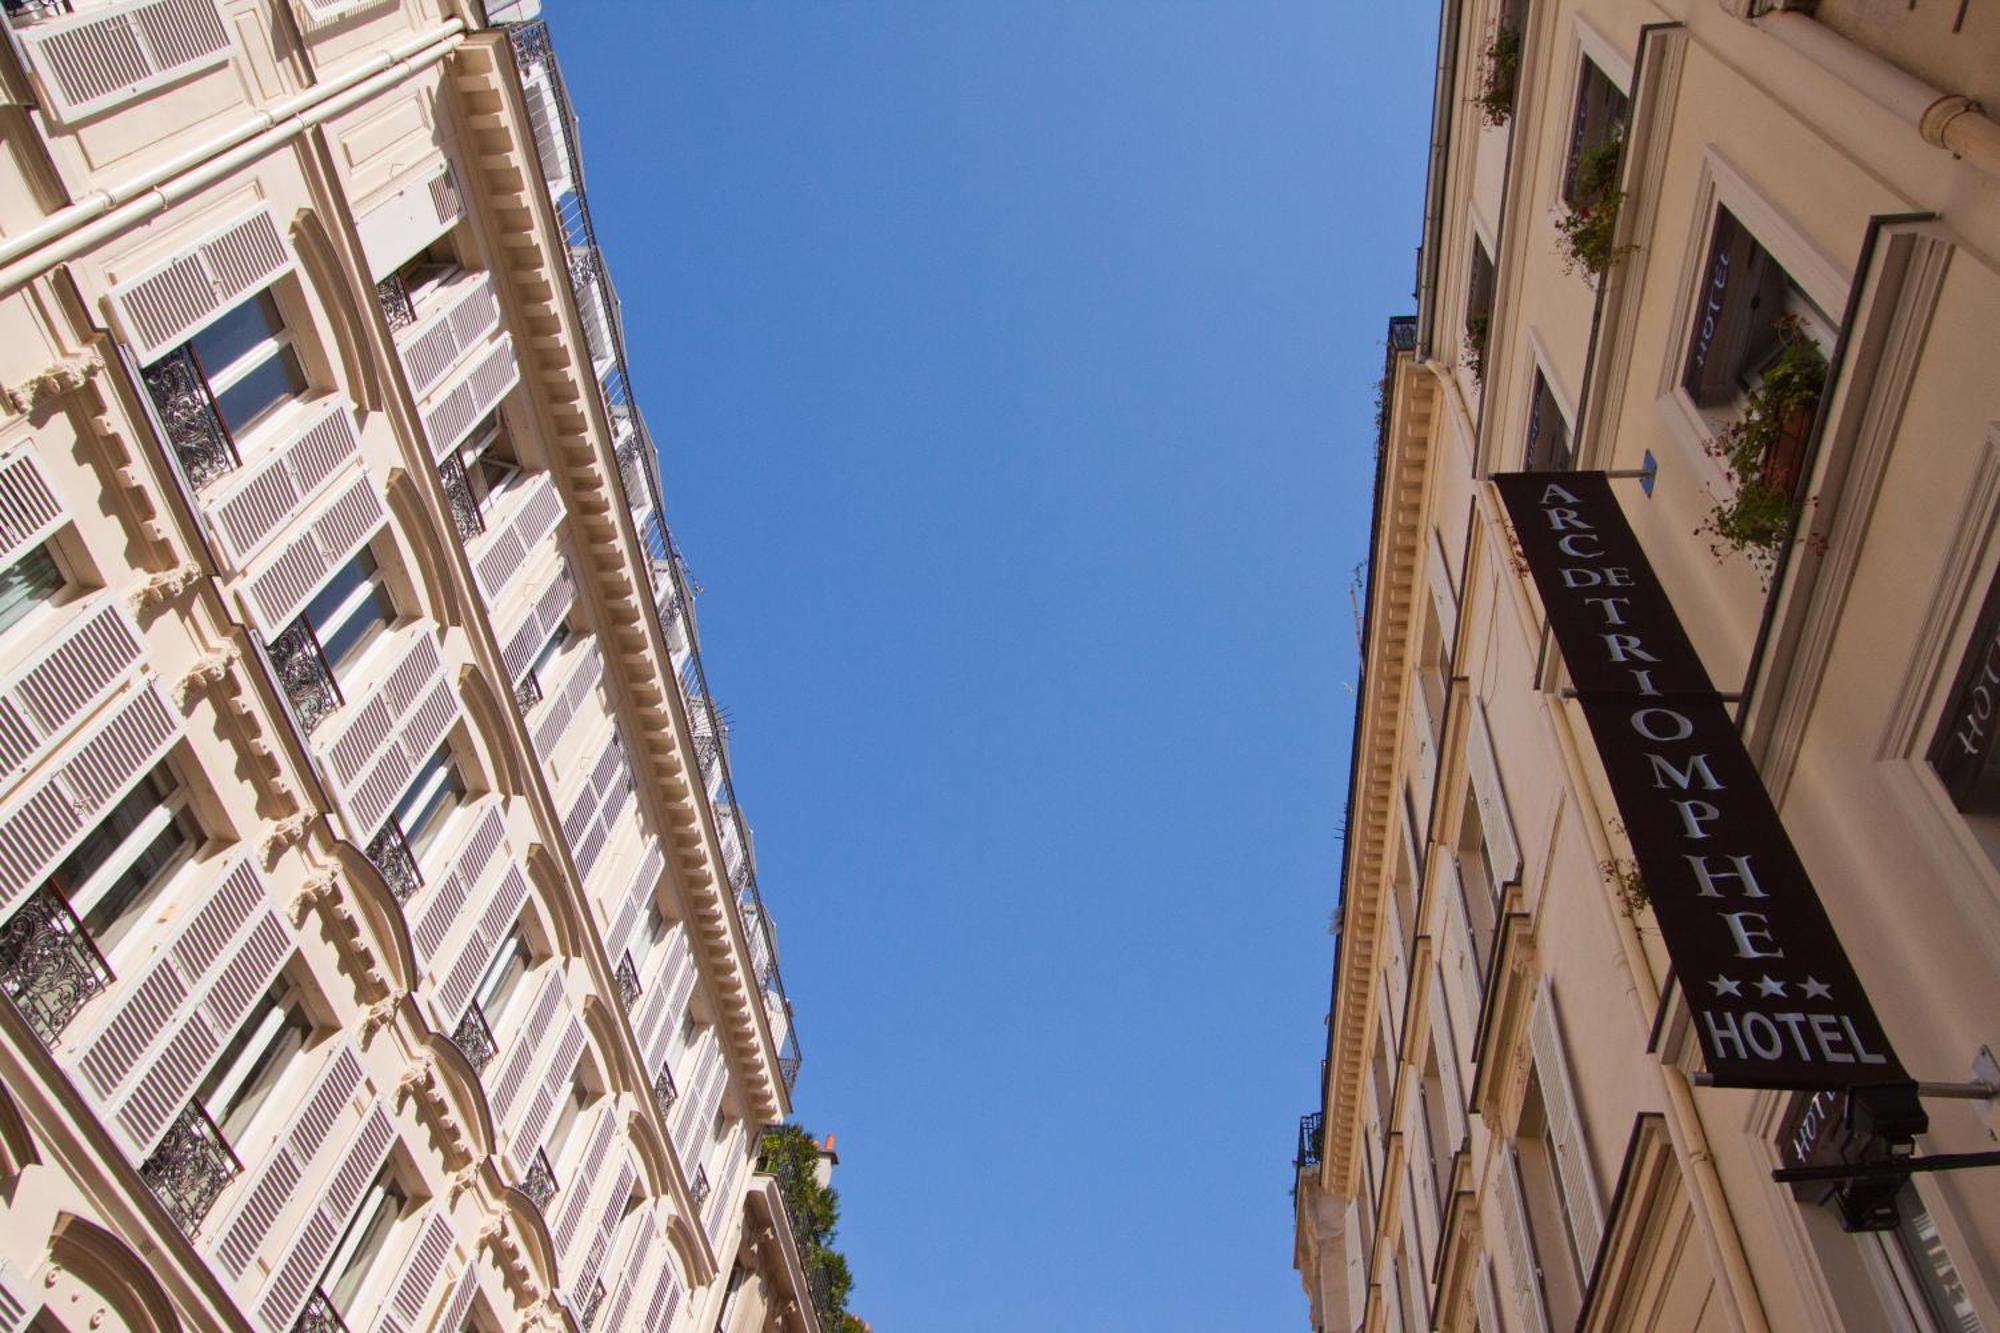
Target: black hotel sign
point(1775, 1002)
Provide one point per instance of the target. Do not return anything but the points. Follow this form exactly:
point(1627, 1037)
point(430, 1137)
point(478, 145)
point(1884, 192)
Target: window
point(1596, 139)
point(1479, 882)
point(426, 808)
point(503, 977)
point(1925, 1276)
point(581, 1095)
point(249, 361)
point(350, 612)
point(1437, 1138)
point(366, 1239)
point(1746, 306)
point(276, 1030)
point(650, 938)
point(1962, 752)
point(1554, 1231)
point(118, 870)
point(29, 582)
point(1548, 430)
point(490, 461)
point(1478, 309)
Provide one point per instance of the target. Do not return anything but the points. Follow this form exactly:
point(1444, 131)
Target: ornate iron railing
point(49, 967)
point(627, 977)
point(586, 1314)
point(180, 394)
point(1309, 1140)
point(665, 1094)
point(191, 1167)
point(391, 855)
point(540, 1182)
point(699, 1188)
point(531, 48)
point(301, 666)
point(458, 497)
point(397, 307)
point(474, 1039)
point(319, 1316)
point(527, 691)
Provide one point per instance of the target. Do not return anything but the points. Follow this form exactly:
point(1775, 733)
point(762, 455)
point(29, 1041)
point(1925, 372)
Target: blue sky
point(1012, 363)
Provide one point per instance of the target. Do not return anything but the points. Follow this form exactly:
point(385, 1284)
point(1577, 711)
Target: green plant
point(792, 1155)
point(1477, 327)
point(1759, 452)
point(1590, 225)
point(1502, 74)
point(1626, 885)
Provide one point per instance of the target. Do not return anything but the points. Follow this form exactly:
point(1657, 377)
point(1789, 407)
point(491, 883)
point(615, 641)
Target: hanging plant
point(1590, 225)
point(1477, 327)
point(1500, 76)
point(1762, 453)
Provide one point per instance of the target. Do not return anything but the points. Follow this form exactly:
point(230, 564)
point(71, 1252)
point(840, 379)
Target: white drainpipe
point(69, 231)
point(1949, 121)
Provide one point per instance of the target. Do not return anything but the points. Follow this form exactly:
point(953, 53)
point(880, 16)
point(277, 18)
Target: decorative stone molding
point(164, 586)
point(318, 887)
point(63, 378)
point(462, 1180)
point(203, 676)
point(508, 1257)
point(378, 1016)
point(283, 834)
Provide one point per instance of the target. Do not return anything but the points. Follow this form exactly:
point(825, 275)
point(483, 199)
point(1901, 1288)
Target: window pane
point(268, 383)
point(347, 612)
point(26, 584)
point(126, 900)
point(238, 333)
point(101, 842)
point(367, 1239)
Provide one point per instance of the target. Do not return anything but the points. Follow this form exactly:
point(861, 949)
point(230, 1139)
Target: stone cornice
point(610, 562)
point(1396, 568)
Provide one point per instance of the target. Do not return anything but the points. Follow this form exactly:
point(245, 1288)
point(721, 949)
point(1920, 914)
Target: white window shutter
point(1445, 1046)
point(435, 911)
point(421, 1276)
point(1526, 1273)
point(278, 586)
point(253, 504)
point(463, 314)
point(314, 15)
point(17, 1299)
point(99, 60)
point(388, 735)
point(1443, 599)
point(665, 1301)
point(64, 679)
point(585, 1181)
point(635, 1251)
point(1485, 1298)
point(167, 305)
point(298, 1272)
point(451, 415)
point(1579, 1182)
point(1487, 789)
point(29, 509)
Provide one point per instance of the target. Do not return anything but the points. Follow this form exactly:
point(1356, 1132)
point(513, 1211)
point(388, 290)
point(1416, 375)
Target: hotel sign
point(1775, 1002)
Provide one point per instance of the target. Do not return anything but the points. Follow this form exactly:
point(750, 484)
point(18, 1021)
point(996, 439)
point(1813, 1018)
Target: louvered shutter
point(1494, 818)
point(666, 999)
point(420, 1278)
point(1446, 1047)
point(1355, 1248)
point(436, 909)
point(634, 1252)
point(46, 818)
point(724, 1201)
point(29, 509)
point(1422, 1171)
point(558, 710)
point(504, 549)
point(665, 1300)
point(530, 1128)
point(391, 733)
point(690, 1128)
point(1415, 1259)
point(462, 1297)
point(521, 1049)
point(298, 1272)
point(407, 221)
point(454, 985)
point(1461, 966)
point(1443, 598)
point(325, 1119)
point(165, 1029)
point(258, 501)
point(315, 15)
point(463, 312)
point(63, 680)
point(608, 1207)
point(99, 59)
point(585, 1183)
point(17, 1299)
point(1579, 1183)
point(167, 305)
point(1391, 1288)
point(1521, 1264)
point(451, 414)
point(1486, 1298)
point(278, 586)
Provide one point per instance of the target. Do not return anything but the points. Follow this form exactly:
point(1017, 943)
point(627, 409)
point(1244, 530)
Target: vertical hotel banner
point(1775, 1002)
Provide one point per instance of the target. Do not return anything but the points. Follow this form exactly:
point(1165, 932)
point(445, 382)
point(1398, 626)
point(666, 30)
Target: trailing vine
point(1590, 224)
point(1500, 77)
point(1761, 453)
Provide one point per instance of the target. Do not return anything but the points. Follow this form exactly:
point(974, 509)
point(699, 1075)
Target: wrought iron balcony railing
point(49, 967)
point(586, 1314)
point(527, 692)
point(180, 393)
point(191, 1167)
point(397, 307)
point(301, 666)
point(627, 977)
point(465, 512)
point(474, 1039)
point(665, 1094)
point(540, 1182)
point(320, 1316)
point(699, 1188)
point(391, 855)
point(1309, 1140)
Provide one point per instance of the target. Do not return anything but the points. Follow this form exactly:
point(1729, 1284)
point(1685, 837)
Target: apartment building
point(1732, 269)
point(380, 932)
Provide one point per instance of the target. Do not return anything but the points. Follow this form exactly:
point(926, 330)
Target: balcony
point(627, 977)
point(190, 1168)
point(48, 966)
point(194, 428)
point(665, 1094)
point(586, 1313)
point(1310, 1127)
point(448, 317)
point(393, 295)
point(466, 516)
point(391, 855)
point(474, 1039)
point(699, 1188)
point(302, 670)
point(540, 1182)
point(319, 1316)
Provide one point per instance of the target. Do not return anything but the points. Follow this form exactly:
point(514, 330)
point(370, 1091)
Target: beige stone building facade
point(1746, 261)
point(380, 934)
